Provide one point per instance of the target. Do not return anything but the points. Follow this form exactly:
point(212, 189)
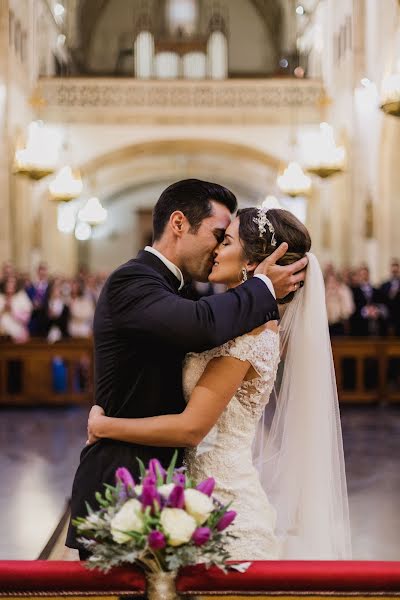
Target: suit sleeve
point(144, 305)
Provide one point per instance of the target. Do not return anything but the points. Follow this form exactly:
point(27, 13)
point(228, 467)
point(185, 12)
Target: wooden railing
point(367, 370)
point(42, 373)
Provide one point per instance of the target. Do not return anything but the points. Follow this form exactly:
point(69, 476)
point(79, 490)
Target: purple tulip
point(179, 479)
point(156, 469)
point(156, 540)
point(123, 476)
point(176, 499)
point(201, 535)
point(207, 486)
point(150, 479)
point(150, 496)
point(226, 520)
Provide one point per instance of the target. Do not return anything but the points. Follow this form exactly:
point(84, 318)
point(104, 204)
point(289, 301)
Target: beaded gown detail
point(226, 452)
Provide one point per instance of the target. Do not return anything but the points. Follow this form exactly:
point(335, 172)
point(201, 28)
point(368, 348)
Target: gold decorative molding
point(178, 101)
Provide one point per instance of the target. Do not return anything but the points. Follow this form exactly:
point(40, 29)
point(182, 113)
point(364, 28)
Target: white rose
point(128, 518)
point(198, 505)
point(166, 489)
point(178, 525)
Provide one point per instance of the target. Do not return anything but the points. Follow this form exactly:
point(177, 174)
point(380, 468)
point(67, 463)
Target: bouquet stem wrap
point(161, 586)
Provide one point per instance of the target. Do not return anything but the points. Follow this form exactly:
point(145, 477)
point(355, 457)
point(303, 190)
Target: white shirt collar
point(173, 268)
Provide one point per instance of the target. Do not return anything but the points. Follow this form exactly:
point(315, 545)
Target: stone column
point(6, 250)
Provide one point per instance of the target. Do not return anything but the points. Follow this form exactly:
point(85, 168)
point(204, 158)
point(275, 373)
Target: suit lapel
point(151, 260)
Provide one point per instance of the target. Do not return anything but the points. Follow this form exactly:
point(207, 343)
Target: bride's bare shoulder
point(271, 325)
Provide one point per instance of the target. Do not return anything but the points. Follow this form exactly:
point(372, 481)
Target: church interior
point(103, 104)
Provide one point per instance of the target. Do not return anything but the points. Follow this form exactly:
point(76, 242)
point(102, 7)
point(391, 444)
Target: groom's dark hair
point(192, 197)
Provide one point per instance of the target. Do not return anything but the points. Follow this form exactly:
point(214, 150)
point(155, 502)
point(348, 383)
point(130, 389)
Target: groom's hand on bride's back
point(284, 279)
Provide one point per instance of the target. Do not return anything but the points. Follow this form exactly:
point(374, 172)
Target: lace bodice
point(226, 452)
point(262, 351)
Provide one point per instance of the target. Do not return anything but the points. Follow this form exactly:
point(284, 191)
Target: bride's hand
point(95, 412)
point(284, 279)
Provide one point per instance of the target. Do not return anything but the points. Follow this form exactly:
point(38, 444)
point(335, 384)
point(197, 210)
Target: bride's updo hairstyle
point(287, 228)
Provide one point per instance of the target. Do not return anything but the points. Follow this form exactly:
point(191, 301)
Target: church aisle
point(371, 436)
point(39, 451)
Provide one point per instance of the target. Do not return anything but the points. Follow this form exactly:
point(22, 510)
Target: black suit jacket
point(393, 305)
point(360, 326)
point(142, 330)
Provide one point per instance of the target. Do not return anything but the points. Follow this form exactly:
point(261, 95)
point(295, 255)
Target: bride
point(285, 479)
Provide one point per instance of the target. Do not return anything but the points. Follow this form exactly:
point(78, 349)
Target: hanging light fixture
point(390, 94)
point(293, 181)
point(322, 156)
point(271, 202)
point(38, 157)
point(93, 212)
point(83, 231)
point(66, 186)
point(66, 217)
point(390, 97)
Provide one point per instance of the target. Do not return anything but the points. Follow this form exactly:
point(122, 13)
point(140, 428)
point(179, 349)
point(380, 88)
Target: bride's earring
point(244, 275)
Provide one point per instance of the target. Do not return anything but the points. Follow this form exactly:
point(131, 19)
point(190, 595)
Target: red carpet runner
point(58, 578)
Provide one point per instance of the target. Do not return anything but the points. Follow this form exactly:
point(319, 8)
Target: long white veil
point(300, 460)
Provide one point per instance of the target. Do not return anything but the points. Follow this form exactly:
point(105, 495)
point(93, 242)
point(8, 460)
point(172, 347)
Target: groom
point(143, 327)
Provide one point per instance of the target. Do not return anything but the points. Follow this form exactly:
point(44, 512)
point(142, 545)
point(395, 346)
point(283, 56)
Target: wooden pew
point(367, 354)
point(28, 374)
point(32, 366)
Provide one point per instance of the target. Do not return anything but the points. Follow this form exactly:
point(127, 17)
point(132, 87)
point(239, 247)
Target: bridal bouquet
point(161, 523)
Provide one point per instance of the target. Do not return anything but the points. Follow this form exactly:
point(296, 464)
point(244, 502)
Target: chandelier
point(390, 98)
point(390, 95)
point(66, 186)
point(83, 231)
point(38, 157)
point(66, 217)
point(323, 157)
point(293, 182)
point(93, 212)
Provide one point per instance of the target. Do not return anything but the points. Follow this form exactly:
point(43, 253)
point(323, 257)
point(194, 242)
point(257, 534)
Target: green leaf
point(171, 468)
point(89, 509)
point(112, 488)
point(160, 478)
point(141, 467)
point(100, 499)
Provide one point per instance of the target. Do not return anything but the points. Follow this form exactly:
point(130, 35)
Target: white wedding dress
point(226, 452)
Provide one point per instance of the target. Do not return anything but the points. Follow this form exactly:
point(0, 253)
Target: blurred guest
point(25, 280)
point(100, 281)
point(15, 311)
point(65, 289)
point(81, 308)
point(37, 291)
point(7, 270)
point(83, 273)
point(56, 314)
point(329, 270)
point(92, 288)
point(339, 303)
point(350, 277)
point(390, 291)
point(370, 315)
